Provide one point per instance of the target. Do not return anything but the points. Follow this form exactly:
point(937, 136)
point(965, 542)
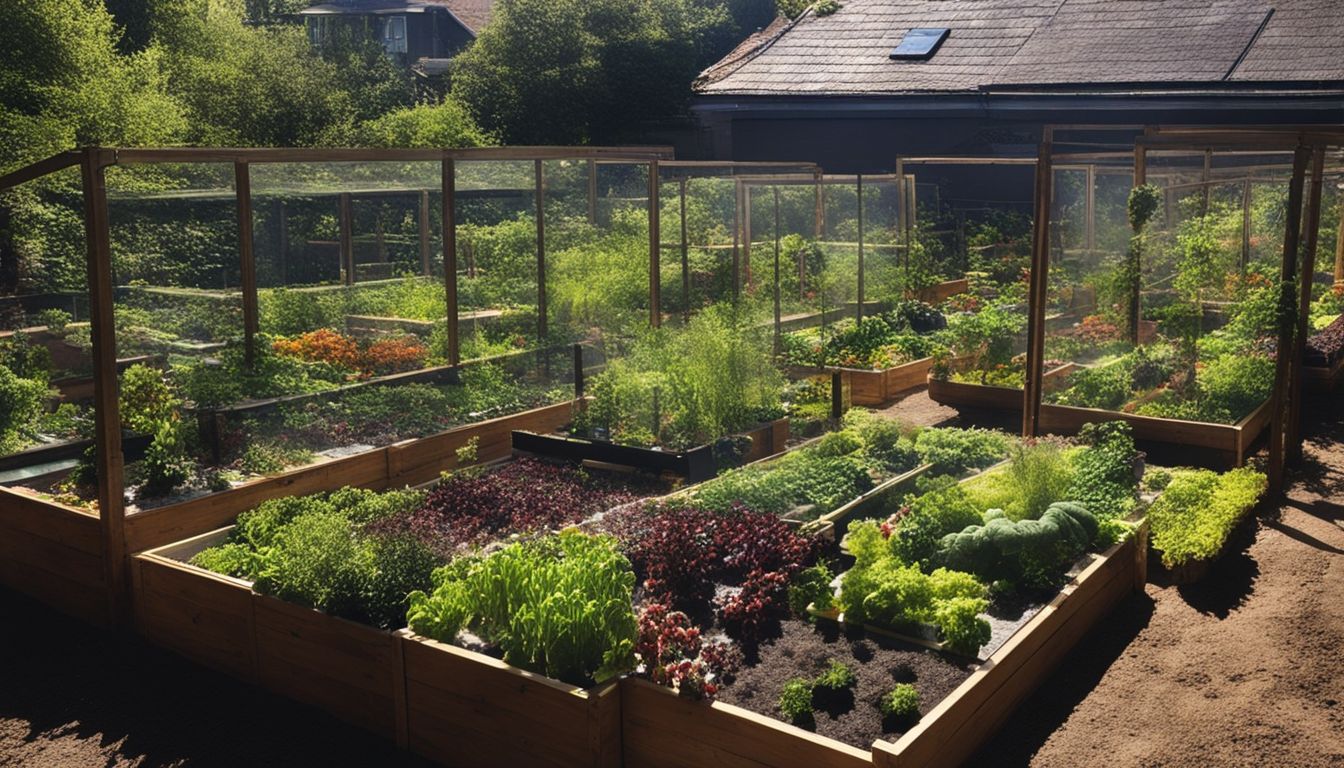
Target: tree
point(570, 71)
point(446, 124)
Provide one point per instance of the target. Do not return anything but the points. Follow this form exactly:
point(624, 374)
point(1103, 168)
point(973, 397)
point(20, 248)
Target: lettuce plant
point(559, 605)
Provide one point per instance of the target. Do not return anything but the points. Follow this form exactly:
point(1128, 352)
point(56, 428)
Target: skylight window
point(920, 44)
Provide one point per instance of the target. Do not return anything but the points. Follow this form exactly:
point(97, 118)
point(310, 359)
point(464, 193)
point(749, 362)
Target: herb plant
point(1194, 516)
point(900, 703)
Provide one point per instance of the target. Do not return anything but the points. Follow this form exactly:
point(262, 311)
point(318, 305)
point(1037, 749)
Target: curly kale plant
point(1030, 552)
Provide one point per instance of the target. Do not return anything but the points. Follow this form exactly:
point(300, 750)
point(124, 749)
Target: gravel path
point(1245, 670)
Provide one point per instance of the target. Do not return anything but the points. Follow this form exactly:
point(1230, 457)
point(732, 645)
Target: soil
point(803, 650)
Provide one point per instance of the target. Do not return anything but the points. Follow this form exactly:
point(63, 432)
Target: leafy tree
point(569, 71)
point(447, 124)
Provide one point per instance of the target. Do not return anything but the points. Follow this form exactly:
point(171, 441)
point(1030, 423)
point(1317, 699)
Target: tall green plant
point(1143, 203)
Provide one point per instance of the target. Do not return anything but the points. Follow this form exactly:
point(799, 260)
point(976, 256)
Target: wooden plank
point(247, 260)
point(72, 527)
point(1066, 420)
point(1311, 235)
point(1040, 268)
point(508, 716)
point(956, 393)
point(163, 525)
point(86, 602)
point(345, 218)
point(420, 461)
point(57, 162)
point(539, 173)
point(655, 252)
point(660, 728)
point(107, 412)
point(132, 155)
point(201, 616)
point(342, 667)
point(449, 213)
point(52, 554)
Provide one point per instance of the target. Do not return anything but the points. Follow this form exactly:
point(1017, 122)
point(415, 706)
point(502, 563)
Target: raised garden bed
point(1202, 517)
point(54, 553)
point(694, 465)
point(1231, 440)
point(1324, 359)
point(873, 388)
point(992, 396)
point(661, 729)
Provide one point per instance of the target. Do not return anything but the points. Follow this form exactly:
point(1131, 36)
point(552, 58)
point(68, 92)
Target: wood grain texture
point(54, 554)
point(467, 709)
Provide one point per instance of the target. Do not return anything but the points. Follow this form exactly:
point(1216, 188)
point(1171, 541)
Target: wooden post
point(1245, 224)
point(1293, 441)
point(655, 250)
point(448, 213)
point(282, 254)
point(242, 184)
point(1090, 209)
point(592, 192)
point(837, 395)
point(539, 174)
point(107, 413)
point(424, 232)
point(737, 239)
point(859, 310)
point(578, 373)
point(1040, 266)
point(902, 222)
point(819, 215)
point(347, 238)
point(685, 258)
point(746, 232)
point(1339, 246)
point(1284, 358)
point(778, 339)
point(1205, 178)
point(1140, 166)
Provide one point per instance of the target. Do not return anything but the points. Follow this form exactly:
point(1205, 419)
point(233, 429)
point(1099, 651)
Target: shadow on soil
point(94, 698)
point(1077, 674)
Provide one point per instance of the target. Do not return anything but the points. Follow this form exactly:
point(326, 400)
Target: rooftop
point(1050, 44)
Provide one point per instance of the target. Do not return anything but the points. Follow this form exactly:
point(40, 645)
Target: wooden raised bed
point(993, 396)
point(661, 729)
point(468, 709)
point(54, 553)
point(868, 504)
point(407, 463)
point(935, 294)
point(695, 465)
point(1322, 379)
point(1233, 440)
point(348, 669)
point(879, 387)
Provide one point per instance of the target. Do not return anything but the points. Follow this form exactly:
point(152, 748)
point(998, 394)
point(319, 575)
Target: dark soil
point(803, 650)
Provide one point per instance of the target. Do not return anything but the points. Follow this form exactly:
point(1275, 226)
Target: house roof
point(1053, 44)
point(473, 14)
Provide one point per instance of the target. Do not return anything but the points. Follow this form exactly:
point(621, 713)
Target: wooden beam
point(778, 338)
point(1293, 440)
point(1245, 225)
point(448, 184)
point(685, 258)
point(592, 192)
point(254, 155)
point(737, 238)
point(347, 247)
point(746, 232)
point(423, 226)
point(655, 250)
point(539, 174)
point(282, 242)
point(1040, 266)
point(859, 304)
point(819, 208)
point(1339, 246)
point(37, 170)
point(1090, 209)
point(1287, 331)
point(1140, 166)
point(107, 412)
point(242, 182)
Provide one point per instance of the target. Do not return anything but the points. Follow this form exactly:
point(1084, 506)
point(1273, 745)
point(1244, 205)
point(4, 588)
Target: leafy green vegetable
point(1196, 513)
point(811, 586)
point(559, 605)
point(1027, 551)
point(886, 592)
point(795, 701)
point(837, 677)
point(900, 703)
point(952, 451)
point(944, 509)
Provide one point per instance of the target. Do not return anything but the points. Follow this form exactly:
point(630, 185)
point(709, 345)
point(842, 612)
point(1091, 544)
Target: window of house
point(394, 34)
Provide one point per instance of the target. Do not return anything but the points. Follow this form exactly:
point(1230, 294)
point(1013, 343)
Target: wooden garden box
point(661, 729)
point(991, 396)
point(54, 553)
point(935, 294)
point(1322, 379)
point(350, 670)
point(467, 709)
point(1232, 440)
point(868, 387)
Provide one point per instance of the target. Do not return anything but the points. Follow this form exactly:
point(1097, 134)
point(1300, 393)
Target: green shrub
point(1196, 513)
point(145, 399)
point(20, 409)
point(166, 463)
point(795, 701)
point(560, 606)
point(900, 703)
point(1103, 471)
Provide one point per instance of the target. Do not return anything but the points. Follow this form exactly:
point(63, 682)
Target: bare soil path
point(1246, 669)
